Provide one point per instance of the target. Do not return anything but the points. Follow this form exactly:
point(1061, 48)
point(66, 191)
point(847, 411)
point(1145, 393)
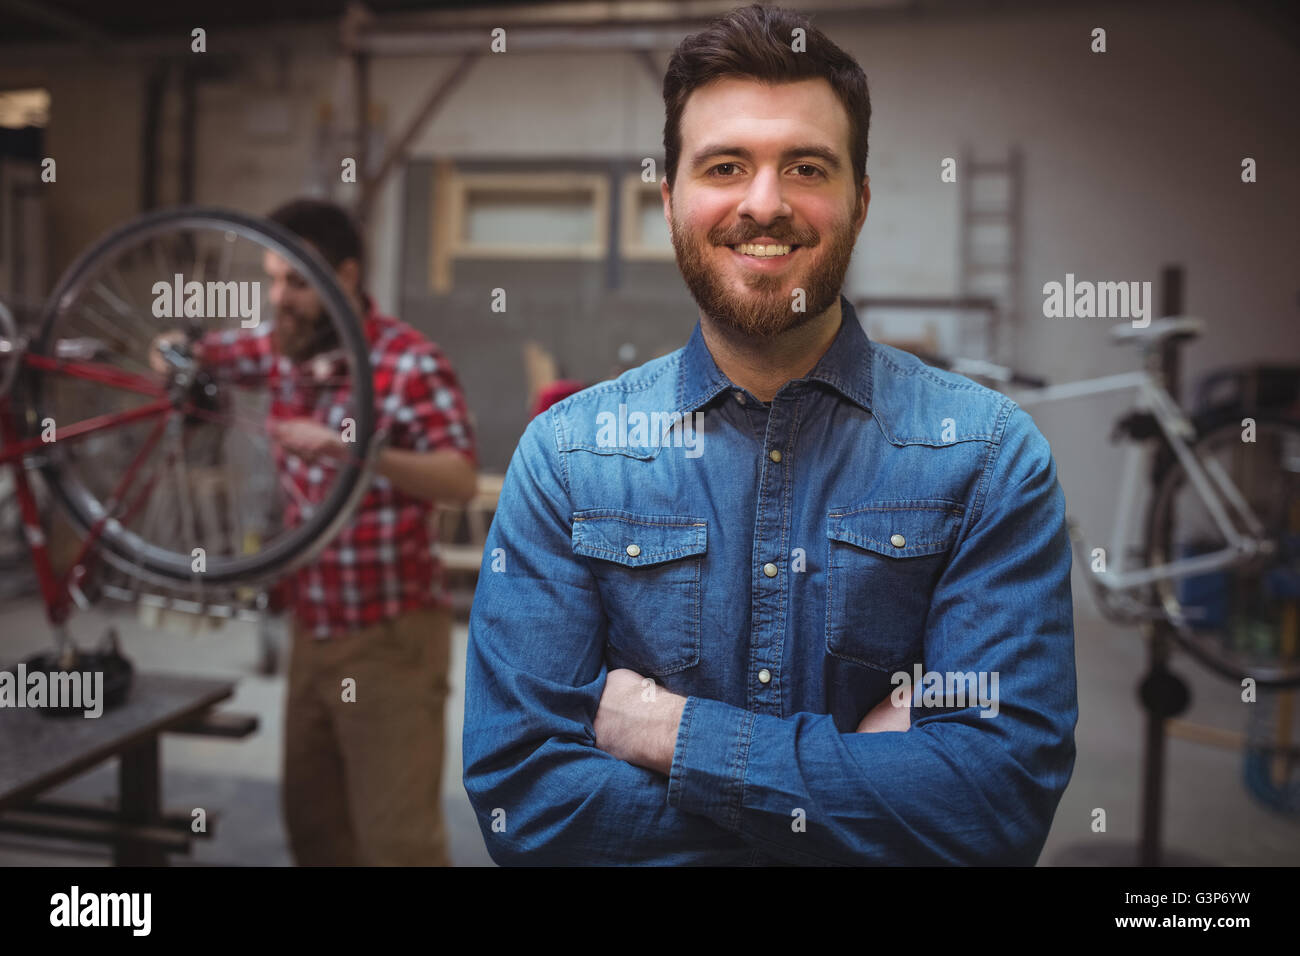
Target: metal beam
point(603, 12)
point(646, 59)
point(437, 96)
point(521, 40)
point(51, 16)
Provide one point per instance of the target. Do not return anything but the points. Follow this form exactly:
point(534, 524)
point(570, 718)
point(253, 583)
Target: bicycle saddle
point(1158, 330)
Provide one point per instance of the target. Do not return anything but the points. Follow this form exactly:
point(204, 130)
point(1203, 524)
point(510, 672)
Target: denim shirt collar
point(846, 366)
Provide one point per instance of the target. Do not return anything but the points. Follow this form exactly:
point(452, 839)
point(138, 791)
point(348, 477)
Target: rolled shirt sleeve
point(432, 412)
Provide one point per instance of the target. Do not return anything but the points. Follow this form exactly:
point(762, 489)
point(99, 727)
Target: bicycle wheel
point(177, 472)
point(1238, 620)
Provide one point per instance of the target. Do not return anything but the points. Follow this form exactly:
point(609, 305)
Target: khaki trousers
point(363, 777)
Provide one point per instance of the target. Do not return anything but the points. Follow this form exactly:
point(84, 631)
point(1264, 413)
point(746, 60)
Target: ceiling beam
point(51, 16)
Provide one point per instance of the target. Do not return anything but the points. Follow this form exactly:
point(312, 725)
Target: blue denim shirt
point(777, 564)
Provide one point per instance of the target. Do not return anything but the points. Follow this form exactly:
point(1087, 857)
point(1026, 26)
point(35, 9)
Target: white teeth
point(751, 249)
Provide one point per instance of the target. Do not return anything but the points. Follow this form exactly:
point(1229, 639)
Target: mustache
point(785, 239)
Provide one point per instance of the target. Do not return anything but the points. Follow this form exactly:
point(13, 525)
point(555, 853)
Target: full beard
point(767, 310)
point(299, 338)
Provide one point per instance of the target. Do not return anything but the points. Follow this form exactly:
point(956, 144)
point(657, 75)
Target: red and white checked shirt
point(382, 563)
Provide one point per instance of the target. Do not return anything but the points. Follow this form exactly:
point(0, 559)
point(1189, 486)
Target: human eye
point(714, 171)
point(816, 172)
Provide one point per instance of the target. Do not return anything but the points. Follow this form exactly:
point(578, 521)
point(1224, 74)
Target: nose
point(764, 201)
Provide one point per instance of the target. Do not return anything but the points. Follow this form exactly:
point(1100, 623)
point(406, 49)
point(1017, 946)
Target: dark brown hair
point(755, 42)
point(326, 225)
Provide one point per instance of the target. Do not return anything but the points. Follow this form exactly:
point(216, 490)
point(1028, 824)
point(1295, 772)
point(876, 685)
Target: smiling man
point(705, 659)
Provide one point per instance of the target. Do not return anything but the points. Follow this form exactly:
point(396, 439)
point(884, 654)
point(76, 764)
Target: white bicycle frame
point(1208, 478)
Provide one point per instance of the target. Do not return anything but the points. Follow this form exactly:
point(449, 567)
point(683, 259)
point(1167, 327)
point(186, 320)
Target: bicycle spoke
point(162, 264)
point(121, 308)
point(143, 495)
point(235, 513)
point(114, 335)
point(128, 299)
point(102, 374)
point(229, 418)
point(200, 265)
point(155, 504)
point(101, 323)
point(181, 478)
point(113, 501)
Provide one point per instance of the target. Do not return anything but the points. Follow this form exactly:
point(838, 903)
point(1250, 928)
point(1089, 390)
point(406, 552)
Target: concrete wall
point(1132, 161)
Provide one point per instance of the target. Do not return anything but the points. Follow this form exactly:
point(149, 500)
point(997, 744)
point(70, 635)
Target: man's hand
point(174, 337)
point(308, 439)
point(887, 716)
point(637, 720)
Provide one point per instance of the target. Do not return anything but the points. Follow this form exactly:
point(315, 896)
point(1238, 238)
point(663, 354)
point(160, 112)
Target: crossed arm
point(581, 769)
point(640, 724)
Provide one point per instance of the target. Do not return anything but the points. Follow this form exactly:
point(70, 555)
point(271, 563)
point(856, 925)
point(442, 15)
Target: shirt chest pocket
point(884, 561)
point(648, 570)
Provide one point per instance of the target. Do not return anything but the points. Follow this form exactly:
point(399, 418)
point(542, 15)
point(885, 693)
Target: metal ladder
point(990, 240)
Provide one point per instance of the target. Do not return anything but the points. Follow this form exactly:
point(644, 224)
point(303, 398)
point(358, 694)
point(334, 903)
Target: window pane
point(519, 217)
point(653, 230)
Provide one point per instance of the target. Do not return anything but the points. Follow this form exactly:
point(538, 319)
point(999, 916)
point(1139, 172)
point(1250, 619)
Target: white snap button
point(898, 541)
point(633, 550)
point(764, 676)
point(770, 570)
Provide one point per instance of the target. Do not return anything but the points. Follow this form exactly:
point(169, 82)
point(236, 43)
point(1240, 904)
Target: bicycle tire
point(122, 547)
point(1167, 478)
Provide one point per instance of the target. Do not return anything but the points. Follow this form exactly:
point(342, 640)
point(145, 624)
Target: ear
point(667, 195)
point(865, 199)
point(349, 275)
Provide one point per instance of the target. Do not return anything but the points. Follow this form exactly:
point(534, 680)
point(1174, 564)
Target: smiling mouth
point(764, 250)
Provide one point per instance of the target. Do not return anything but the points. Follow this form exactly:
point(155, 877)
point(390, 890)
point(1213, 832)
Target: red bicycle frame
point(58, 594)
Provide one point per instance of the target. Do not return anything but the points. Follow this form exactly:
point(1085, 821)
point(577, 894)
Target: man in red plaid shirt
point(362, 772)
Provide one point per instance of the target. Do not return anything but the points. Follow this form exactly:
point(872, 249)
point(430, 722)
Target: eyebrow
point(825, 154)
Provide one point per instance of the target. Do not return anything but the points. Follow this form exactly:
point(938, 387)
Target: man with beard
point(362, 775)
point(715, 575)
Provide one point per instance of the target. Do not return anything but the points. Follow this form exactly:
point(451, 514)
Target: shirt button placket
point(771, 537)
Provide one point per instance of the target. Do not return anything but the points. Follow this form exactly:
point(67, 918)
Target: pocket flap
point(898, 529)
point(637, 540)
